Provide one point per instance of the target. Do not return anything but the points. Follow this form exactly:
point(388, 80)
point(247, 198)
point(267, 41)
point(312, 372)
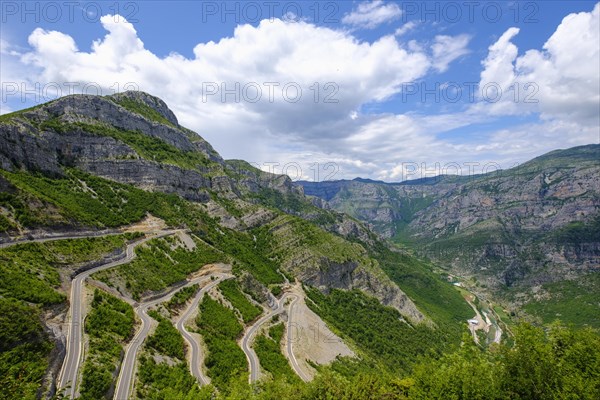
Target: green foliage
point(466, 374)
point(166, 382)
point(18, 323)
point(378, 331)
point(75, 251)
point(29, 271)
point(435, 297)
point(574, 302)
point(220, 329)
point(288, 238)
point(576, 233)
point(159, 265)
point(166, 339)
point(217, 320)
point(561, 364)
point(181, 297)
point(268, 350)
point(289, 203)
point(231, 290)
point(276, 290)
point(276, 332)
point(24, 350)
point(21, 280)
point(324, 244)
point(250, 254)
point(109, 326)
point(564, 363)
point(92, 201)
point(142, 109)
point(109, 315)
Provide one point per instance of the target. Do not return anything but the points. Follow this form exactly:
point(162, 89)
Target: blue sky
point(385, 85)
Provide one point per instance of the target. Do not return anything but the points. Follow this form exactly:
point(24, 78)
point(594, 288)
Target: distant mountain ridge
point(524, 227)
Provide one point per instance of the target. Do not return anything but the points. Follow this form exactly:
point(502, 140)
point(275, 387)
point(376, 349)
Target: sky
point(325, 90)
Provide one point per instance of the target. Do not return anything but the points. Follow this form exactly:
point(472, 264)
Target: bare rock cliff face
point(30, 142)
point(134, 138)
point(525, 226)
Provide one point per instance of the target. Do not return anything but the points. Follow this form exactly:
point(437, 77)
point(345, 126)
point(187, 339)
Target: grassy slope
point(109, 327)
point(24, 350)
point(220, 328)
point(232, 292)
point(85, 200)
point(434, 296)
point(378, 331)
point(573, 302)
point(158, 265)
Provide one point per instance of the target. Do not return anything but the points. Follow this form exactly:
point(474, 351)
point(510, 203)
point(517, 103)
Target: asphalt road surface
point(248, 338)
point(191, 340)
point(68, 377)
point(77, 235)
point(127, 374)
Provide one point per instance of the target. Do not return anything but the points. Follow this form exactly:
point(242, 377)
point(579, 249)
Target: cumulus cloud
point(404, 29)
point(560, 81)
point(327, 122)
point(446, 49)
point(369, 15)
point(317, 101)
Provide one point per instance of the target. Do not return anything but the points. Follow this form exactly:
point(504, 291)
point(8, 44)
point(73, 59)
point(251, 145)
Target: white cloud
point(370, 14)
point(407, 27)
point(350, 72)
point(363, 73)
point(562, 78)
point(446, 49)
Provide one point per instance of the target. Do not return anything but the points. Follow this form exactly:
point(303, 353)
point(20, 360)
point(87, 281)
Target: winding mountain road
point(248, 338)
point(191, 340)
point(290, 342)
point(77, 235)
point(69, 374)
point(68, 377)
point(126, 376)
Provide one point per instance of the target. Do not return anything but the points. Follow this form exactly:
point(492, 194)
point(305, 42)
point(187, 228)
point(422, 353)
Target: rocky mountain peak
point(148, 100)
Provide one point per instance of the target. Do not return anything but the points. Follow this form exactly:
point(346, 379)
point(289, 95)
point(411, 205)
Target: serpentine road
point(74, 344)
point(248, 337)
point(68, 376)
point(127, 374)
point(192, 342)
point(67, 236)
point(290, 341)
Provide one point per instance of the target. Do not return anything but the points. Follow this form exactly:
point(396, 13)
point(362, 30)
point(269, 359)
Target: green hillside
point(69, 169)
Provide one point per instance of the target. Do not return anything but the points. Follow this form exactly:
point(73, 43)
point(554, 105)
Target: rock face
point(134, 138)
point(537, 223)
point(351, 275)
point(79, 131)
point(34, 142)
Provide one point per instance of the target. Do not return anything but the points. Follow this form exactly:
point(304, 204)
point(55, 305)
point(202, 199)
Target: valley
point(510, 233)
point(136, 263)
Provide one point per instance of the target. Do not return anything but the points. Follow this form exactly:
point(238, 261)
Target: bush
point(220, 329)
point(109, 326)
point(231, 290)
point(166, 339)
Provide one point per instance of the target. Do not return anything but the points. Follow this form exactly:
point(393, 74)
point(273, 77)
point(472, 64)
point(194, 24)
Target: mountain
point(102, 171)
point(530, 234)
